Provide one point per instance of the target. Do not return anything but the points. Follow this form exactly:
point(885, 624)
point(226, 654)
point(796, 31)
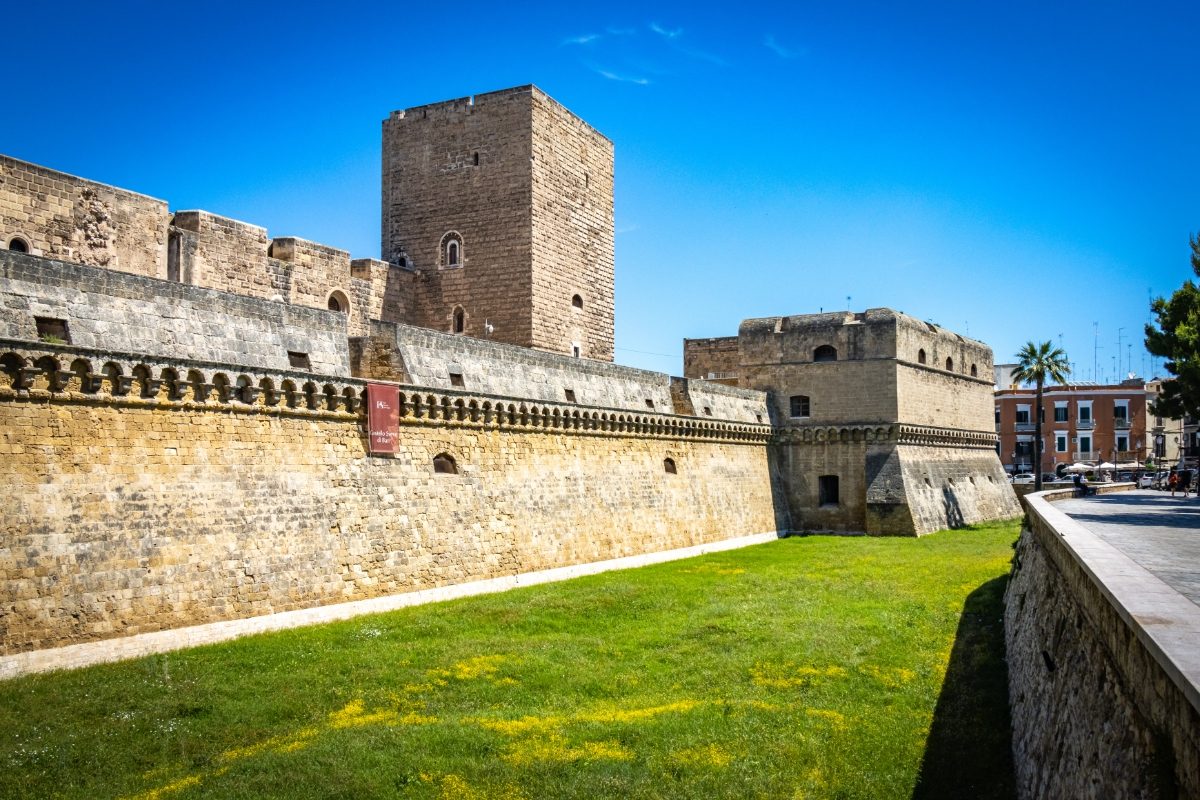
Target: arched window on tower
point(459, 324)
point(921, 356)
point(949, 364)
point(18, 245)
point(452, 250)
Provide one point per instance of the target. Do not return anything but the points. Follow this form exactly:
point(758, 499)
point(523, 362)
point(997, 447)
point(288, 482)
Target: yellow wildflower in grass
point(889, 676)
point(709, 755)
point(529, 724)
point(556, 750)
point(352, 716)
point(274, 743)
point(477, 667)
point(835, 720)
point(454, 787)
point(789, 675)
point(635, 714)
point(170, 788)
point(518, 727)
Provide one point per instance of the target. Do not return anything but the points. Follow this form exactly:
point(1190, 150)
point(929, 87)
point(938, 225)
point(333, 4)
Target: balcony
point(1085, 455)
point(1122, 424)
point(1131, 455)
point(1083, 424)
point(1025, 427)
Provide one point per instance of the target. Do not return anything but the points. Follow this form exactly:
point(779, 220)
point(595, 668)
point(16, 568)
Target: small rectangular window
point(52, 330)
point(299, 360)
point(570, 393)
point(649, 403)
point(1060, 413)
point(798, 406)
point(456, 379)
point(827, 488)
point(707, 411)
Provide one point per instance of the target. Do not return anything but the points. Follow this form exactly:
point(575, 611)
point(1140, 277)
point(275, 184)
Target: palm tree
point(1037, 364)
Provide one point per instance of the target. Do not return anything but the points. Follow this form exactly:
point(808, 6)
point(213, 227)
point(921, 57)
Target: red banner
point(383, 417)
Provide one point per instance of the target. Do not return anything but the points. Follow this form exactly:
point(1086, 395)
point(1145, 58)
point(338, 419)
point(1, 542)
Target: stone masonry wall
point(1094, 713)
point(62, 216)
point(130, 514)
point(433, 185)
point(129, 313)
point(717, 357)
point(429, 358)
point(572, 234)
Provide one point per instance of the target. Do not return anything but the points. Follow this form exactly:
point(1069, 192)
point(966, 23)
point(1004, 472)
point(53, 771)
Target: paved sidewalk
point(1161, 533)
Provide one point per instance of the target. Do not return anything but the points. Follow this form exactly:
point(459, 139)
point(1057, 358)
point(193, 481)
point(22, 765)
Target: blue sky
point(1012, 171)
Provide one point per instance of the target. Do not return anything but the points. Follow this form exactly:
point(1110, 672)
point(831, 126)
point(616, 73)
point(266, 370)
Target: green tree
point(1037, 364)
point(1176, 338)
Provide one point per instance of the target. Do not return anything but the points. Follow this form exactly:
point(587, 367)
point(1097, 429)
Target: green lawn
point(807, 667)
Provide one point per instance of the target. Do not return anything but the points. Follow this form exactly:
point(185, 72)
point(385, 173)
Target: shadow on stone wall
point(779, 493)
point(969, 749)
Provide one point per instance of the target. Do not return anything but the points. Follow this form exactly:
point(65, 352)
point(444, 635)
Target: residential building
point(1080, 423)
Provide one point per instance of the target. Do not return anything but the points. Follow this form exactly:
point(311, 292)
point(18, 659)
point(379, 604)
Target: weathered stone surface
point(133, 314)
point(892, 411)
point(1094, 713)
point(139, 512)
point(527, 189)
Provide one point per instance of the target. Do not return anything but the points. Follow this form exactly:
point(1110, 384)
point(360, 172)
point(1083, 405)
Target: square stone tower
point(503, 205)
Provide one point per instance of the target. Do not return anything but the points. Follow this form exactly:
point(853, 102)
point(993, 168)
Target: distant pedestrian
point(1185, 482)
point(1173, 482)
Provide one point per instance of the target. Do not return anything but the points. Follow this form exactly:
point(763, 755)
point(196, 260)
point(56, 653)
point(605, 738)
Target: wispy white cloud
point(778, 49)
point(674, 36)
point(586, 38)
point(614, 76)
point(630, 228)
point(667, 34)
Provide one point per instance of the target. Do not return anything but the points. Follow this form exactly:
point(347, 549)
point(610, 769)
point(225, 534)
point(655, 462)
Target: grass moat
point(804, 668)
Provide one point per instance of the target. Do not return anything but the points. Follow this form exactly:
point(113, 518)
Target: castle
point(182, 397)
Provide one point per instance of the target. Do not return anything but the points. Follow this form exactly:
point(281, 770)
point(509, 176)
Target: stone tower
point(503, 205)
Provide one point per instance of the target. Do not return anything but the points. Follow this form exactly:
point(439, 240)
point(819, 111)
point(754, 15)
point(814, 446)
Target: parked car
point(1050, 477)
point(1146, 480)
point(1022, 477)
point(1160, 480)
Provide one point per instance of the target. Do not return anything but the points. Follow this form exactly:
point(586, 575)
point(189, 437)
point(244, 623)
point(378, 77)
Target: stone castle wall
point(425, 357)
point(62, 216)
point(573, 233)
point(134, 314)
point(527, 188)
point(80, 221)
point(892, 479)
point(717, 357)
point(433, 186)
point(1098, 708)
point(169, 502)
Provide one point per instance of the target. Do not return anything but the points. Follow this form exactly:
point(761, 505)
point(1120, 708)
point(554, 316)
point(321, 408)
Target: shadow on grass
point(969, 749)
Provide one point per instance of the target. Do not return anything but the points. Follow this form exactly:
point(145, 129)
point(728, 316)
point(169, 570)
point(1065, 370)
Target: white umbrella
point(1079, 466)
point(1106, 465)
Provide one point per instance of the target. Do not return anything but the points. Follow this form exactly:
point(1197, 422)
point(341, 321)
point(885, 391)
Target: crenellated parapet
point(896, 433)
point(50, 372)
